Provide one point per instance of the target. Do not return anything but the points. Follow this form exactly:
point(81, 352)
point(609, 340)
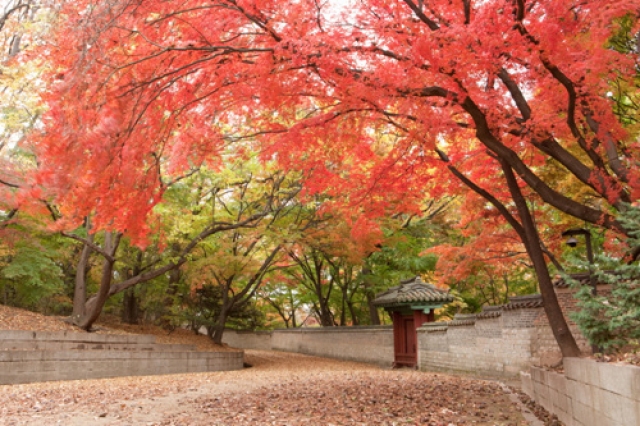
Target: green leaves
point(611, 319)
point(32, 274)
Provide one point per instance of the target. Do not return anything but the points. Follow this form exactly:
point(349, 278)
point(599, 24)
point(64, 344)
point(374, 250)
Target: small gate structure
point(410, 305)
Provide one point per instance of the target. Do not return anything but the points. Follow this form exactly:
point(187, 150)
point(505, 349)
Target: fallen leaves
point(364, 398)
point(280, 389)
point(20, 319)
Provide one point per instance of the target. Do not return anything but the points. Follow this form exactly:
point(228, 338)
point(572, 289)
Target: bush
point(612, 321)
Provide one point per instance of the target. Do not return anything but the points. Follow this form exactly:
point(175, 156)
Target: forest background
point(255, 163)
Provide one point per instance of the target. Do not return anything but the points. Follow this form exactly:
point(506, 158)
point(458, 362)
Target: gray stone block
point(618, 379)
point(580, 392)
point(583, 370)
point(584, 414)
point(557, 381)
point(25, 367)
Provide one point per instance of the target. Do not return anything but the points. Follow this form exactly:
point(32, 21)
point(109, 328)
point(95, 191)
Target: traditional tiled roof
point(583, 278)
point(523, 302)
point(432, 327)
point(490, 312)
point(412, 292)
point(463, 319)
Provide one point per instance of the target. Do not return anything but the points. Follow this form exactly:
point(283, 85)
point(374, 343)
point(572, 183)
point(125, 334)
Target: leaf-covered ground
point(19, 319)
point(279, 389)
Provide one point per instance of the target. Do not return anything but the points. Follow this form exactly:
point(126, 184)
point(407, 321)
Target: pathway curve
point(279, 389)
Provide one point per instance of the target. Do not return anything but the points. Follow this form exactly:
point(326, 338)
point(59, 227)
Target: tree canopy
point(523, 109)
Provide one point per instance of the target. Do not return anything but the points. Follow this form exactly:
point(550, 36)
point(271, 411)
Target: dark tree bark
point(130, 307)
point(80, 288)
point(130, 300)
point(94, 305)
point(559, 326)
point(374, 316)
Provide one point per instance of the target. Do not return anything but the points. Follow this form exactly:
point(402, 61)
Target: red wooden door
point(411, 341)
point(405, 341)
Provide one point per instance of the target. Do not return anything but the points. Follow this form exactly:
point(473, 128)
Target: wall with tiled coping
point(365, 344)
point(499, 341)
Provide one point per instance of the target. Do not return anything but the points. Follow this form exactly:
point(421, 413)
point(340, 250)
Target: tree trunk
point(218, 329)
point(130, 309)
point(559, 326)
point(343, 311)
point(352, 312)
point(131, 302)
point(326, 317)
point(293, 310)
point(93, 307)
point(374, 317)
point(528, 233)
point(80, 288)
point(324, 311)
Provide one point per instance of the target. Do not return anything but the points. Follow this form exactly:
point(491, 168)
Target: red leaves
point(152, 90)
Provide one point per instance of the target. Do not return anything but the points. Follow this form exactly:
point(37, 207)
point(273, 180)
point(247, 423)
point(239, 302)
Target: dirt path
point(280, 389)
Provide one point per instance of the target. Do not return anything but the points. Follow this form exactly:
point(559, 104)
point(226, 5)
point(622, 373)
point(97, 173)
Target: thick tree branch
point(7, 219)
point(551, 147)
point(548, 194)
point(484, 135)
point(493, 200)
point(613, 156)
point(91, 244)
point(9, 184)
point(516, 94)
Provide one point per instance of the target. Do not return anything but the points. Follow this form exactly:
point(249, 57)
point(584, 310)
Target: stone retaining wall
point(27, 357)
point(589, 393)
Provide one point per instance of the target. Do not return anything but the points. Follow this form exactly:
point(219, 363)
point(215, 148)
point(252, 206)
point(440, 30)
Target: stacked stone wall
point(373, 344)
point(589, 393)
point(499, 341)
point(496, 342)
point(27, 356)
point(363, 344)
point(547, 352)
point(248, 339)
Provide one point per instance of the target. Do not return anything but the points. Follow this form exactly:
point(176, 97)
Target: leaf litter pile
point(280, 389)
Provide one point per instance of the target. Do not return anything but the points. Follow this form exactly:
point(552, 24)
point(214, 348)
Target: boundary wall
point(589, 393)
point(500, 341)
point(372, 344)
point(27, 356)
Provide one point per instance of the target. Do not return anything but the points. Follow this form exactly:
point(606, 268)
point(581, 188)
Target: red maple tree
point(374, 104)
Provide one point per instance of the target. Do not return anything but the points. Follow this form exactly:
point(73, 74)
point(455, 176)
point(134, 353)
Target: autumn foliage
point(142, 91)
point(508, 104)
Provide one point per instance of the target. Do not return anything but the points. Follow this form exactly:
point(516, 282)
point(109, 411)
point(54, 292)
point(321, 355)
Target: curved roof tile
point(412, 291)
